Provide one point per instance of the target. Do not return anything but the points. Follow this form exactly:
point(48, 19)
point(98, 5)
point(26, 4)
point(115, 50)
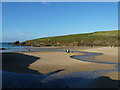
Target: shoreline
point(56, 61)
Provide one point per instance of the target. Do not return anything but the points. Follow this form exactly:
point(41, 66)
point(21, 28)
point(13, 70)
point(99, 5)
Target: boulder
point(2, 48)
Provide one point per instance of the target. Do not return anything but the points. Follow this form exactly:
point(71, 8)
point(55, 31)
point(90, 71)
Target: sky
point(30, 20)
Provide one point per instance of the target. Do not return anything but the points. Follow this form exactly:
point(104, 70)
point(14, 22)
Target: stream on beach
point(91, 79)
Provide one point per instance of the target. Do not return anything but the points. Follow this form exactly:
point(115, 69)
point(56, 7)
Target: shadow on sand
point(104, 82)
point(16, 62)
point(57, 71)
point(14, 80)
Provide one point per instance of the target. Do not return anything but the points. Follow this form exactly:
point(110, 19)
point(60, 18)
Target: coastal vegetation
point(101, 38)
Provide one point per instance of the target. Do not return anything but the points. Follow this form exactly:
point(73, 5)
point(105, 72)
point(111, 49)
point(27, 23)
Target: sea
point(12, 48)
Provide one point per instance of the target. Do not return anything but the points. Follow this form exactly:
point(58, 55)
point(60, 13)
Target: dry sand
point(105, 50)
point(50, 62)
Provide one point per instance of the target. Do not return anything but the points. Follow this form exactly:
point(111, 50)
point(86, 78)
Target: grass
point(102, 38)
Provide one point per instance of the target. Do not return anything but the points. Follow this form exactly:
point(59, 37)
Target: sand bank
point(60, 61)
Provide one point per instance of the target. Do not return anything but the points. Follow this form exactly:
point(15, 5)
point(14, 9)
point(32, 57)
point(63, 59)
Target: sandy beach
point(60, 61)
point(55, 64)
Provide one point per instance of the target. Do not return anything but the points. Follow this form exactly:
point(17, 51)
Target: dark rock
point(2, 48)
point(17, 42)
point(48, 45)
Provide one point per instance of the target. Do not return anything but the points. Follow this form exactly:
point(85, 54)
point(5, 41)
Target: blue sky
point(29, 20)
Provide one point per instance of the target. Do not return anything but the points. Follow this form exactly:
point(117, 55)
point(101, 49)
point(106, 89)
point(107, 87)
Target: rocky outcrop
point(2, 48)
point(17, 42)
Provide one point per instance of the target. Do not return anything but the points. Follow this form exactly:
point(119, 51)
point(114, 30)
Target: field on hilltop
point(101, 38)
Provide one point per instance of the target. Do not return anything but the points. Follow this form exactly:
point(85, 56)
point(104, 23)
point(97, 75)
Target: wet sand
point(17, 62)
point(113, 75)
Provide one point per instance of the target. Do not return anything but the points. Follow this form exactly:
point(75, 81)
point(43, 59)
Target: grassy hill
point(102, 38)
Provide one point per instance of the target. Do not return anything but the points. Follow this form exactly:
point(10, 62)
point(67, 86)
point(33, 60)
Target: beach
point(51, 61)
point(57, 64)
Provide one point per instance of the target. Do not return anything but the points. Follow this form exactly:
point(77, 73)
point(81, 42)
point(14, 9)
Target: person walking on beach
point(67, 51)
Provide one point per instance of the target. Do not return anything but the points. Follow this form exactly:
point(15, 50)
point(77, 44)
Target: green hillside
point(103, 38)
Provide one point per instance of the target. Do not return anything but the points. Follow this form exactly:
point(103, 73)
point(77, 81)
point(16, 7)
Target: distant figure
point(29, 50)
point(67, 51)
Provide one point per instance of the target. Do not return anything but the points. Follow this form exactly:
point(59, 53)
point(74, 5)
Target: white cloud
point(46, 3)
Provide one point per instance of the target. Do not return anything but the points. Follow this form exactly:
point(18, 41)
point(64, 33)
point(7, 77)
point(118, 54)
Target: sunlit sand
point(52, 61)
